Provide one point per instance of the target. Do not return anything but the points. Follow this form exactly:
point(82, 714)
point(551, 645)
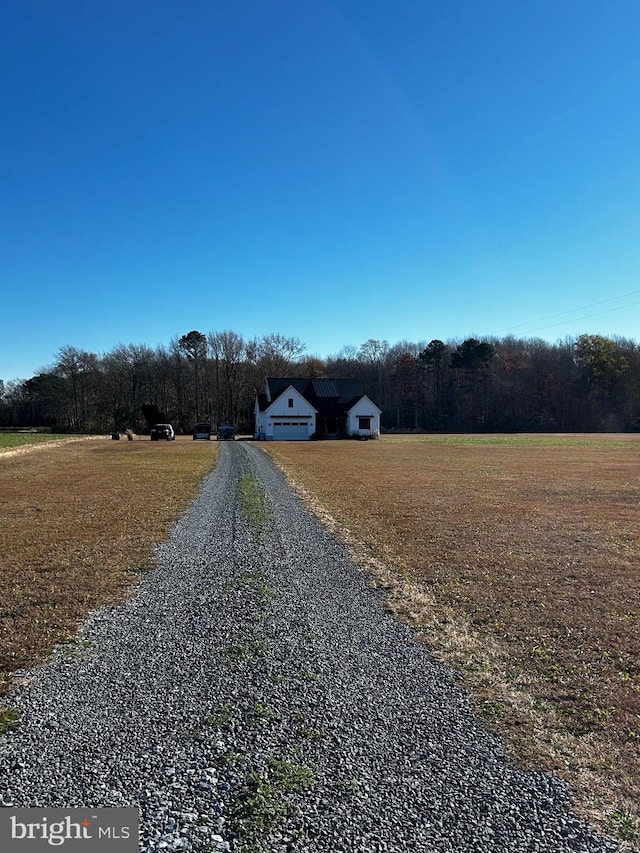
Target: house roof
point(330, 397)
point(342, 390)
point(280, 384)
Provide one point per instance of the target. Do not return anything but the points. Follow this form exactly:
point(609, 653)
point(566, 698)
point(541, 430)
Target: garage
point(290, 431)
point(297, 409)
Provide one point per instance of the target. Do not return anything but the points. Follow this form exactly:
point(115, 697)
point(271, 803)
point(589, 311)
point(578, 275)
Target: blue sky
point(335, 170)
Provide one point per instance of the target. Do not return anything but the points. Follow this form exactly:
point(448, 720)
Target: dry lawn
point(78, 522)
point(518, 559)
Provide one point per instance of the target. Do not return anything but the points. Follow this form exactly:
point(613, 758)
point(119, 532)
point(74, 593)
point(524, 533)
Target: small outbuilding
point(295, 409)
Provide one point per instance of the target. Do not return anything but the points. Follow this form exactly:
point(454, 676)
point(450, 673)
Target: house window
point(364, 423)
point(290, 402)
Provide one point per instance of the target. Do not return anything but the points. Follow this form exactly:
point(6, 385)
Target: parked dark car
point(162, 431)
point(202, 432)
point(226, 433)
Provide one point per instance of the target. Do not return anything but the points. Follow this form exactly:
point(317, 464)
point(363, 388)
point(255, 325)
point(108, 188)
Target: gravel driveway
point(254, 694)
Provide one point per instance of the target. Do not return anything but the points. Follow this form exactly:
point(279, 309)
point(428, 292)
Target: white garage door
point(290, 431)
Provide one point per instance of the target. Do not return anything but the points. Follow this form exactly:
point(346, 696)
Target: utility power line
point(574, 310)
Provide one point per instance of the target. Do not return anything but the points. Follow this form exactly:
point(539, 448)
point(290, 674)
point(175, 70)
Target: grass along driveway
point(77, 520)
point(517, 558)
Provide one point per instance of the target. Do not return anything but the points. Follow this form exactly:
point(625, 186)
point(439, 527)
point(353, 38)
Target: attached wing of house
point(296, 409)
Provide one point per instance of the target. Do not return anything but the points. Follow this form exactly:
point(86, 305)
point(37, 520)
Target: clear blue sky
point(335, 170)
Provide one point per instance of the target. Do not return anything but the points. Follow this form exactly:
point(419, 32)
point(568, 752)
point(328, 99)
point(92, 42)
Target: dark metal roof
point(328, 396)
point(325, 387)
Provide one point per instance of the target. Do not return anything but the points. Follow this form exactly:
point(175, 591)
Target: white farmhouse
point(294, 409)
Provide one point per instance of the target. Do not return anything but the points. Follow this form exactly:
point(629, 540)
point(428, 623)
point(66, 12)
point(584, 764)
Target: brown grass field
point(516, 557)
point(518, 560)
point(78, 521)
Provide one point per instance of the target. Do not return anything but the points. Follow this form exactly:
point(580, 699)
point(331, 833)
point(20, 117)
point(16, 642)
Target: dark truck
point(202, 432)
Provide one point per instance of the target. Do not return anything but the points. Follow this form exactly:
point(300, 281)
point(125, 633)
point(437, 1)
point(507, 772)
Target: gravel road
point(255, 695)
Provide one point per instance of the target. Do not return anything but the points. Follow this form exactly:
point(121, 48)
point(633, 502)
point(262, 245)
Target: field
point(517, 558)
point(9, 440)
point(78, 520)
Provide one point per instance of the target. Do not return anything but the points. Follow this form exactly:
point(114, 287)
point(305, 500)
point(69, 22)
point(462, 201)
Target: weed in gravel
point(253, 501)
point(236, 652)
point(276, 678)
point(251, 579)
point(295, 750)
point(311, 733)
point(347, 786)
point(259, 647)
point(266, 593)
point(9, 720)
point(262, 806)
point(76, 650)
point(244, 650)
point(306, 731)
point(308, 675)
point(258, 810)
point(192, 734)
point(220, 717)
point(232, 759)
point(288, 776)
point(260, 711)
point(253, 582)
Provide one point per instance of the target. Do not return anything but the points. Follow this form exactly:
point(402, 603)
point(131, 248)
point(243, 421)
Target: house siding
point(286, 413)
point(364, 408)
point(272, 423)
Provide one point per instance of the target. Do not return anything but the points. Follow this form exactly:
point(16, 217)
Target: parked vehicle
point(162, 431)
point(226, 433)
point(202, 432)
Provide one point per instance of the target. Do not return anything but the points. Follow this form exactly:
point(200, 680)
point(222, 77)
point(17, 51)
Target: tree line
point(587, 384)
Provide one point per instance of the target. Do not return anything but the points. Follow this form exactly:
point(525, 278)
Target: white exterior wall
point(364, 408)
point(262, 424)
point(280, 412)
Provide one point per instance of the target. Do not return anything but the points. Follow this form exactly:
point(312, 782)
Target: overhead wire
point(573, 311)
